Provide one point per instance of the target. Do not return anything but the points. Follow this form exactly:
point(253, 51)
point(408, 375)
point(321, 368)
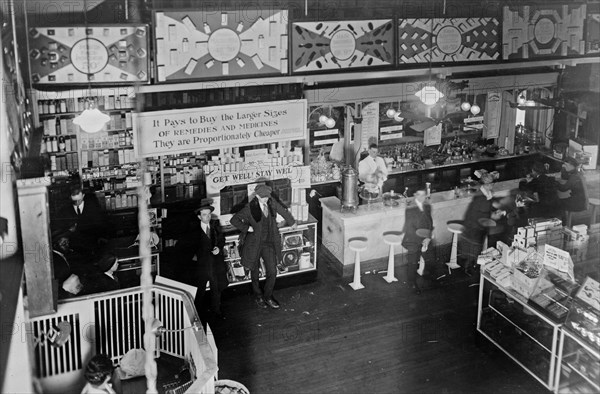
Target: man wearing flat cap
point(203, 246)
point(260, 238)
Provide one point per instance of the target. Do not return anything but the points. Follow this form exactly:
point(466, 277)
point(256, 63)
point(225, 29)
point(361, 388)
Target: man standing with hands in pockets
point(260, 238)
point(203, 247)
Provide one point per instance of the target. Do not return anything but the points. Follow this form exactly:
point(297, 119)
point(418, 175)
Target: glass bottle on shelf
point(61, 144)
point(52, 107)
point(54, 144)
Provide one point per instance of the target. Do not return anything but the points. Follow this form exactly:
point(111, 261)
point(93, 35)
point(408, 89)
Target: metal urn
point(349, 189)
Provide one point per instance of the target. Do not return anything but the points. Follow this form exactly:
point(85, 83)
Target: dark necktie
point(78, 211)
point(208, 231)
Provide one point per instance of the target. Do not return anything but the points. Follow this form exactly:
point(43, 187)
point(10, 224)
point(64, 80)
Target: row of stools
point(393, 238)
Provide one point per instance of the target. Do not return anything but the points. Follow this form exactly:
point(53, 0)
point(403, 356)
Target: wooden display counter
point(372, 221)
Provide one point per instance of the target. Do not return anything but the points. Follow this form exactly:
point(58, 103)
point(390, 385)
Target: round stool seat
point(392, 238)
point(358, 244)
point(456, 228)
point(594, 201)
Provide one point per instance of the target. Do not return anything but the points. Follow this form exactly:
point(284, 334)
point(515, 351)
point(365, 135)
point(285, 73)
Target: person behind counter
point(260, 238)
point(572, 181)
point(203, 246)
point(372, 169)
point(477, 221)
point(418, 227)
point(85, 220)
point(542, 190)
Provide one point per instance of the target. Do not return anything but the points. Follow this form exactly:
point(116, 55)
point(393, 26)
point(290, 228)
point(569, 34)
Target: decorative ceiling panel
point(531, 32)
point(212, 45)
point(335, 45)
point(452, 40)
point(110, 54)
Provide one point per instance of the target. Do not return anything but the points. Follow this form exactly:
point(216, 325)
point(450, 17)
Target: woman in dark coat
point(482, 208)
point(260, 238)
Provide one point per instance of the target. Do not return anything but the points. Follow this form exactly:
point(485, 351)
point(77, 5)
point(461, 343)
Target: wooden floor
point(327, 338)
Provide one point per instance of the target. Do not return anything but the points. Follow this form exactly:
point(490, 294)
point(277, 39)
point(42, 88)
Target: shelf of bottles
point(71, 150)
point(183, 176)
point(297, 248)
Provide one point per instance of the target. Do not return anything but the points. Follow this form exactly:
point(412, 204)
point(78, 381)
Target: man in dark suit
point(260, 238)
point(418, 229)
point(85, 221)
point(203, 246)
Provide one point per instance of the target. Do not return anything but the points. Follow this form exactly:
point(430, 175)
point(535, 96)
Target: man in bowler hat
point(203, 246)
point(260, 238)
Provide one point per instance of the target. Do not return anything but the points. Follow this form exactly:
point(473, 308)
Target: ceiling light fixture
point(91, 120)
point(429, 95)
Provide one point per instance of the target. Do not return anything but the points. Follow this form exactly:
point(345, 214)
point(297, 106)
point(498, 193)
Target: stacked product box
point(577, 241)
point(547, 231)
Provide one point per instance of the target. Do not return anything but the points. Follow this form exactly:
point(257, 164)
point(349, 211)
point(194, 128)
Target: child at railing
point(98, 374)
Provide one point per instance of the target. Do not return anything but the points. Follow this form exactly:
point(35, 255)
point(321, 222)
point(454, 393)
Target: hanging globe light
point(398, 117)
point(475, 109)
point(323, 119)
point(390, 113)
point(429, 95)
point(465, 106)
point(330, 123)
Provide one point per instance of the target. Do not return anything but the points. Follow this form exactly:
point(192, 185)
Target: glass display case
point(525, 333)
point(578, 369)
point(298, 253)
point(552, 294)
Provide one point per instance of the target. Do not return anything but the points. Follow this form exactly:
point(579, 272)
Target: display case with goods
point(298, 250)
point(525, 333)
point(578, 369)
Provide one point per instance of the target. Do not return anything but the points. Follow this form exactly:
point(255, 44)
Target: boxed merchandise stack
point(525, 237)
point(299, 206)
point(547, 231)
point(576, 242)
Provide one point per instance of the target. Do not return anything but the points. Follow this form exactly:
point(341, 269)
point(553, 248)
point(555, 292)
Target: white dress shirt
point(368, 166)
point(205, 228)
point(80, 207)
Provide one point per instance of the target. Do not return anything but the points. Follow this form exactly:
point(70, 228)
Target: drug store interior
point(431, 175)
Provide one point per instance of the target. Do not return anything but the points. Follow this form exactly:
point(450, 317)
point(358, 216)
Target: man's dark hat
point(204, 206)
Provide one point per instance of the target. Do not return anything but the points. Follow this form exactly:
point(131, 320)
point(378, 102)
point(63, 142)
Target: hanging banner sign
point(493, 113)
point(209, 128)
point(299, 176)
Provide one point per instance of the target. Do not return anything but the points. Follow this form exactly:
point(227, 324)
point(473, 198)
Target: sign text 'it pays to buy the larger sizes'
point(209, 128)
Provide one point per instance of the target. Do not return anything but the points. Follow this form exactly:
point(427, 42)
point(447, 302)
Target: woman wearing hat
point(572, 181)
point(106, 279)
point(480, 216)
point(260, 236)
point(202, 246)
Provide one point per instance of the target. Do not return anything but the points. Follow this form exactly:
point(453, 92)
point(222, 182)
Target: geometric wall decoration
point(453, 40)
point(335, 45)
point(193, 45)
point(110, 54)
point(592, 39)
point(545, 31)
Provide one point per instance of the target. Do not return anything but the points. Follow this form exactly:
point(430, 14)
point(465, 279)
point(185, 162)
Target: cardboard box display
point(526, 232)
point(523, 284)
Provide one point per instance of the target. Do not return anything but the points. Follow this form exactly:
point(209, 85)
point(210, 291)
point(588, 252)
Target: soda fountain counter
point(371, 221)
